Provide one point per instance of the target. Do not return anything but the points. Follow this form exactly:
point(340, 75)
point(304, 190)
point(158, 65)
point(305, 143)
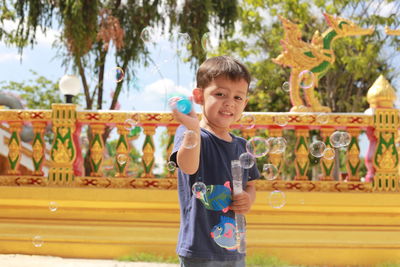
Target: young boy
point(207, 226)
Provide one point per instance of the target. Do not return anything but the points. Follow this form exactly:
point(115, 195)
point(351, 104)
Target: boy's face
point(223, 101)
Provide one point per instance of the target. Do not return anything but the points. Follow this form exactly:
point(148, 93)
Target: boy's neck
point(222, 133)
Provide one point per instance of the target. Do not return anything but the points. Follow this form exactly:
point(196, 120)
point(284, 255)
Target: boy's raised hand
point(190, 121)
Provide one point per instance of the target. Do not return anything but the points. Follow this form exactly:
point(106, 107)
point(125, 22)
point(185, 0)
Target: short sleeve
point(178, 138)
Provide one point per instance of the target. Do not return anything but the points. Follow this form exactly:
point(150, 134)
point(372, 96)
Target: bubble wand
point(239, 218)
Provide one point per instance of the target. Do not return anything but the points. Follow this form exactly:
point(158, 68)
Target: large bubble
point(246, 160)
point(257, 146)
point(317, 149)
point(270, 172)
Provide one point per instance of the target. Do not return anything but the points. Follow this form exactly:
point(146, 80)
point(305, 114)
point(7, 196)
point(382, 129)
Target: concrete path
point(16, 260)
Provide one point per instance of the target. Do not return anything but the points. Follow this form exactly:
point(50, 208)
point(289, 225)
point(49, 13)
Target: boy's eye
point(219, 94)
point(238, 98)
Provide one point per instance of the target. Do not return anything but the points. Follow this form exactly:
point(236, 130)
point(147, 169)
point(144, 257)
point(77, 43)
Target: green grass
point(148, 257)
point(261, 260)
point(257, 260)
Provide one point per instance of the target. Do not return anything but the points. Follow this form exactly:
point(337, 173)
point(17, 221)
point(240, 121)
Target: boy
point(207, 227)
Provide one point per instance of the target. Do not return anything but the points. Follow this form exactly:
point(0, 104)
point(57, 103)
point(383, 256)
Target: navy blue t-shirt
point(207, 225)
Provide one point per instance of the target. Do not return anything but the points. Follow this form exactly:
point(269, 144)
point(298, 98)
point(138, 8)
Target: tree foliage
point(89, 27)
point(359, 60)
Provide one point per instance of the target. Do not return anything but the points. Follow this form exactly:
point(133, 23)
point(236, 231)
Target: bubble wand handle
point(239, 218)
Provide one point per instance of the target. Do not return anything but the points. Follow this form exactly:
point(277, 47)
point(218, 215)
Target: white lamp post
point(70, 86)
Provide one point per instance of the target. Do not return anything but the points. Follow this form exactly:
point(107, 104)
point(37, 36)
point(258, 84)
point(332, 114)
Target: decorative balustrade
point(380, 124)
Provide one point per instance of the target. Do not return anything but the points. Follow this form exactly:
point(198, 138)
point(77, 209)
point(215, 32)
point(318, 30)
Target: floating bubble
point(257, 146)
point(270, 172)
point(205, 41)
point(317, 149)
point(286, 86)
point(277, 199)
point(281, 120)
point(322, 118)
point(53, 206)
point(37, 241)
point(116, 74)
point(247, 121)
point(346, 139)
point(336, 139)
point(340, 139)
point(171, 166)
point(329, 153)
point(190, 139)
point(306, 79)
point(147, 34)
point(277, 145)
point(199, 189)
point(122, 159)
point(246, 160)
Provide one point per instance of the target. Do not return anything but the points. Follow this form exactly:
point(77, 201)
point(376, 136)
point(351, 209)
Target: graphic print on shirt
point(217, 197)
point(224, 233)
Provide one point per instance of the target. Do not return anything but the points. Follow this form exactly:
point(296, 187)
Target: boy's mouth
point(226, 113)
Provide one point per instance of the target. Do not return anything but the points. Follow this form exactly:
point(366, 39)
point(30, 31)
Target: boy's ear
point(198, 96)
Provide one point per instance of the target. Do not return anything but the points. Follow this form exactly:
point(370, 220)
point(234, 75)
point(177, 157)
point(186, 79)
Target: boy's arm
point(188, 159)
point(242, 202)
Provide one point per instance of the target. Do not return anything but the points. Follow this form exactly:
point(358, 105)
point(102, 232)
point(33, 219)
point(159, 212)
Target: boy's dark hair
point(226, 66)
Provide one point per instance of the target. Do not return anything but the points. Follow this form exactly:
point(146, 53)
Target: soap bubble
point(122, 159)
point(281, 120)
point(246, 160)
point(53, 206)
point(257, 146)
point(277, 145)
point(148, 35)
point(329, 153)
point(199, 189)
point(322, 118)
point(190, 139)
point(277, 199)
point(340, 139)
point(270, 172)
point(286, 86)
point(346, 139)
point(116, 74)
point(171, 166)
point(247, 121)
point(37, 241)
point(317, 149)
point(306, 79)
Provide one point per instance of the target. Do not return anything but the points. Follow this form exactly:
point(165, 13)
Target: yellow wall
point(312, 228)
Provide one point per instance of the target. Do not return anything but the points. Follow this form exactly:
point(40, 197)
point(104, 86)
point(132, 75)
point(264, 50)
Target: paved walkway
point(16, 260)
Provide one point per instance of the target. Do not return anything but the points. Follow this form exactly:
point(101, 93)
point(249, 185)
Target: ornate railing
point(66, 166)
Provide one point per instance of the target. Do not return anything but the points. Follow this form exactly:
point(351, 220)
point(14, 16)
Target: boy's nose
point(229, 103)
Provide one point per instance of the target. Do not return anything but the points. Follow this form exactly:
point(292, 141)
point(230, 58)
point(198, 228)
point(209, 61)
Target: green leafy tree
point(359, 60)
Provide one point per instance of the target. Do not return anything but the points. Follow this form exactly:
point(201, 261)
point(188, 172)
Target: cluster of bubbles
point(337, 140)
point(257, 147)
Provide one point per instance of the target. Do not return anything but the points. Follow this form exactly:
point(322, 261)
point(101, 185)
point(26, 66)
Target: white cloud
point(42, 38)
point(4, 57)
